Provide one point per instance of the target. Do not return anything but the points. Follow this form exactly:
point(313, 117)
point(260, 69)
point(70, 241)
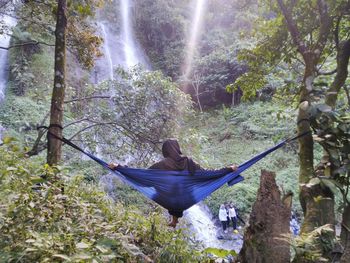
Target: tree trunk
point(311, 55)
point(236, 96)
point(316, 200)
point(267, 237)
point(343, 55)
point(56, 114)
point(319, 205)
point(345, 234)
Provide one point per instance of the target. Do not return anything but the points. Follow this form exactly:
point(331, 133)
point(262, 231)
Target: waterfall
point(133, 54)
point(120, 48)
point(4, 42)
point(107, 51)
point(202, 226)
point(129, 47)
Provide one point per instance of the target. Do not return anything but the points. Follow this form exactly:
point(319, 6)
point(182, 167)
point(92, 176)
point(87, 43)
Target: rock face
point(267, 237)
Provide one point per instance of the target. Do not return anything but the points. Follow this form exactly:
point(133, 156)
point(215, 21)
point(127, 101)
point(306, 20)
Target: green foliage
point(315, 246)
point(21, 77)
point(145, 108)
point(333, 133)
point(275, 57)
point(233, 135)
point(21, 113)
point(160, 28)
point(39, 18)
point(221, 253)
point(47, 217)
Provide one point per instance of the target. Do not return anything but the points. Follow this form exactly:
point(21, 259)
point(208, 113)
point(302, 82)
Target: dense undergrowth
point(48, 216)
point(234, 135)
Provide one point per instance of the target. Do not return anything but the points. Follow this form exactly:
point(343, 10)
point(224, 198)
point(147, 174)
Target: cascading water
point(201, 225)
point(4, 43)
point(107, 52)
point(120, 47)
point(129, 46)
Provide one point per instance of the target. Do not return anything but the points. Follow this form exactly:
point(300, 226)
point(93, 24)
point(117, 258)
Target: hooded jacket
point(173, 159)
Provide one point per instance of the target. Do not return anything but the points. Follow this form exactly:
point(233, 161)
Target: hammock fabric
point(177, 190)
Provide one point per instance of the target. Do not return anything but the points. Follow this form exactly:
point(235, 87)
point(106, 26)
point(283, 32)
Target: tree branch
point(293, 29)
point(75, 122)
point(336, 31)
point(89, 127)
point(325, 26)
point(27, 44)
point(327, 73)
point(38, 146)
point(88, 98)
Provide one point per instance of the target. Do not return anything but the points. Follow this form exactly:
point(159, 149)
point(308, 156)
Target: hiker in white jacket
point(233, 216)
point(223, 217)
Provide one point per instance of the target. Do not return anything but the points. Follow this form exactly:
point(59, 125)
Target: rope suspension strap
point(297, 136)
point(66, 141)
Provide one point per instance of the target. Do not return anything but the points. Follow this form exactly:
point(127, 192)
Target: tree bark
point(267, 237)
point(343, 55)
point(311, 55)
point(319, 206)
point(345, 234)
point(57, 101)
point(313, 199)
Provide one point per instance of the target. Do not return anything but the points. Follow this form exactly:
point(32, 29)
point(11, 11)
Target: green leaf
point(37, 180)
point(7, 140)
point(222, 253)
point(65, 257)
point(82, 256)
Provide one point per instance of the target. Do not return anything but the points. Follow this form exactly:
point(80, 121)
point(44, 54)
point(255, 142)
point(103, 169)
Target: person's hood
point(171, 149)
point(173, 157)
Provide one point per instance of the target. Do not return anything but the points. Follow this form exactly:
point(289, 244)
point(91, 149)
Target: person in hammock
point(174, 161)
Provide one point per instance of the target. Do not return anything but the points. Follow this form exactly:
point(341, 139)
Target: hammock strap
point(66, 141)
point(104, 164)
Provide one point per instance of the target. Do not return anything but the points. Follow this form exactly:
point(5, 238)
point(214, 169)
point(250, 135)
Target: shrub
point(46, 216)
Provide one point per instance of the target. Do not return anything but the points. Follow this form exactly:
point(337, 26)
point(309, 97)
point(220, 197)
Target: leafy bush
point(233, 135)
point(46, 216)
point(128, 127)
point(21, 113)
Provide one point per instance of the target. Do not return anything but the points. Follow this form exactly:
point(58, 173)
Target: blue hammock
point(177, 190)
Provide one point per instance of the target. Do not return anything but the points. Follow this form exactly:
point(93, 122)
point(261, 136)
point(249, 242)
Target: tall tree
point(299, 34)
point(315, 209)
point(57, 101)
point(71, 30)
